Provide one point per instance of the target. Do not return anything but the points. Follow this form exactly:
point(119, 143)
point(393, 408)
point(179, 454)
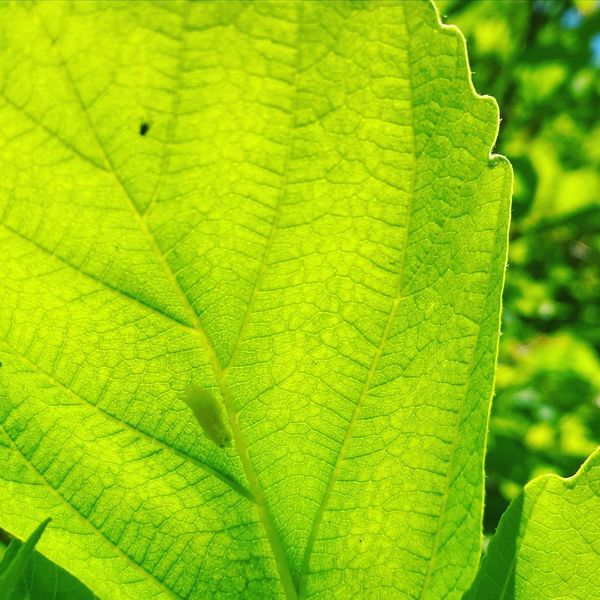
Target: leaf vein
point(255, 487)
point(80, 515)
point(234, 485)
point(98, 280)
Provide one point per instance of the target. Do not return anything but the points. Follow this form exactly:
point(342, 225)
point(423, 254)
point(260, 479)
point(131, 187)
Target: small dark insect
point(144, 127)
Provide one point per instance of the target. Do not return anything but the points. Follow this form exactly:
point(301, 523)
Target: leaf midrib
point(254, 484)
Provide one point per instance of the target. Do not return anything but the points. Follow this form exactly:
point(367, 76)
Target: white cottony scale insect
point(207, 411)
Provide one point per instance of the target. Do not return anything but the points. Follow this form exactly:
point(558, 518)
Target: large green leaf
point(548, 542)
point(291, 206)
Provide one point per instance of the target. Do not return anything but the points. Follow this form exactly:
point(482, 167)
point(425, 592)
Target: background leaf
point(41, 579)
point(547, 543)
point(15, 561)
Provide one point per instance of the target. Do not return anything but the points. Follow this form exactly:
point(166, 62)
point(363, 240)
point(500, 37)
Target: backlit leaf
point(292, 205)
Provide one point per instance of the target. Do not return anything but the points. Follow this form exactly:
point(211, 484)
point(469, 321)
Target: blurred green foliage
point(541, 60)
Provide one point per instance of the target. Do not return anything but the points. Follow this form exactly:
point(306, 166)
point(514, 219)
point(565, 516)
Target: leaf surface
point(292, 207)
point(548, 542)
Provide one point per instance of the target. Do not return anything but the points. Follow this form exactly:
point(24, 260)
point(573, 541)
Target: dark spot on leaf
point(144, 127)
